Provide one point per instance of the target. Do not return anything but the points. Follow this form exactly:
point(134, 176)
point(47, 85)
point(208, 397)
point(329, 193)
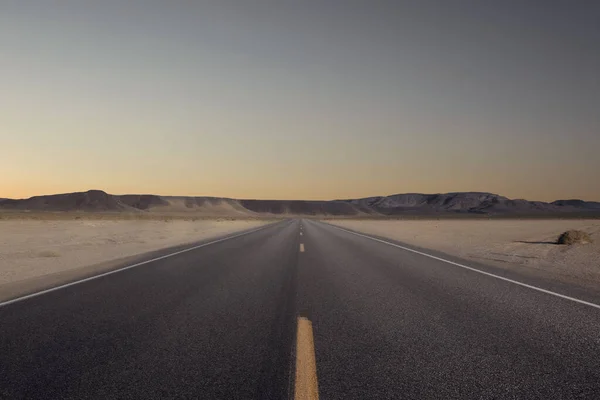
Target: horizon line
point(271, 199)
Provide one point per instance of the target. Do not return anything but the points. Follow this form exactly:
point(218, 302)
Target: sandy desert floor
point(503, 243)
point(33, 248)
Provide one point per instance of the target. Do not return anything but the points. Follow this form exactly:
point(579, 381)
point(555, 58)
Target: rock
point(574, 237)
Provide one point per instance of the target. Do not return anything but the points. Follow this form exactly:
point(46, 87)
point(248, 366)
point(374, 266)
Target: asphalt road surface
point(219, 322)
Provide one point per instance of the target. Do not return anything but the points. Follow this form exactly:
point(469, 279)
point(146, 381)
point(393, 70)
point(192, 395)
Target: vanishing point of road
point(300, 309)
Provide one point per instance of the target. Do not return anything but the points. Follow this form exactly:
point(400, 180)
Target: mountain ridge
point(392, 205)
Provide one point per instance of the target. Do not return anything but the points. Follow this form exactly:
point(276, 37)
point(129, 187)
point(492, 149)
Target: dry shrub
point(574, 237)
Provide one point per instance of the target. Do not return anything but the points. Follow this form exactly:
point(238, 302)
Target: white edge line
point(125, 268)
point(562, 296)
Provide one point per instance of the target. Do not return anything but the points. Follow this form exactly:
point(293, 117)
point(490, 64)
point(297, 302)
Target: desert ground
point(44, 245)
point(32, 248)
point(528, 245)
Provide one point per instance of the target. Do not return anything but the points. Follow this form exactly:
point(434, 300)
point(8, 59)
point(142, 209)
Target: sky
point(313, 99)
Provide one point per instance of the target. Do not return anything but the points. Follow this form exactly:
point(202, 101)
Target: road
point(219, 322)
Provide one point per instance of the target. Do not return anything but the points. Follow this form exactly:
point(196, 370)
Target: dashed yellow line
point(301, 247)
point(306, 386)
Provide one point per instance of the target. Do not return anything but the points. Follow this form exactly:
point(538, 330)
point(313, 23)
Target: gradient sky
point(300, 99)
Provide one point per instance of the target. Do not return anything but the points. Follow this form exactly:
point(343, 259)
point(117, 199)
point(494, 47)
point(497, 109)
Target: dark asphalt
point(218, 322)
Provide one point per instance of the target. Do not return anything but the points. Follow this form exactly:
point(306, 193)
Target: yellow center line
point(301, 247)
point(306, 386)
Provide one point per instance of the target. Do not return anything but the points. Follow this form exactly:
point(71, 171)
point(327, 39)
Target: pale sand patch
point(503, 243)
point(30, 248)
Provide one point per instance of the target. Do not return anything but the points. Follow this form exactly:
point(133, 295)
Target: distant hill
point(93, 200)
point(460, 202)
point(99, 201)
point(394, 205)
point(579, 204)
